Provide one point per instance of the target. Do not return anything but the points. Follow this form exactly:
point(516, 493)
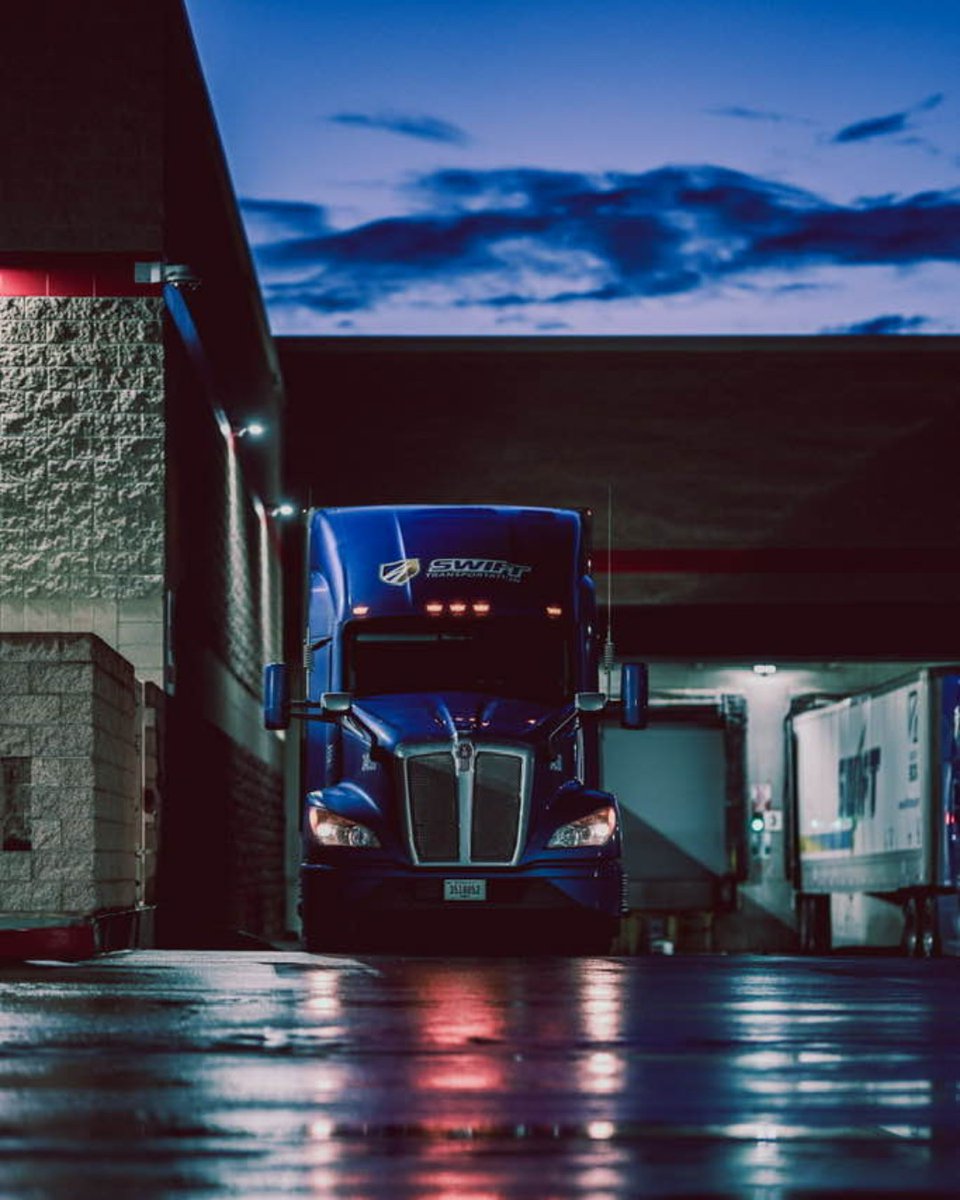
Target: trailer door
point(671, 783)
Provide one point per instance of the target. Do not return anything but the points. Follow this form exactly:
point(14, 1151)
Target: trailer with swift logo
point(450, 706)
point(876, 806)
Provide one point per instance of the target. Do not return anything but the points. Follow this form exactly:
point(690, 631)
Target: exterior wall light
point(253, 429)
point(181, 276)
point(285, 509)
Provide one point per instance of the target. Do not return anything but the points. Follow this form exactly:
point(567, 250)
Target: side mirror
point(336, 703)
point(635, 695)
point(589, 702)
point(276, 696)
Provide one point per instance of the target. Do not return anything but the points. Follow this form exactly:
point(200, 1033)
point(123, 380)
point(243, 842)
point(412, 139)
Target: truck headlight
point(330, 829)
point(596, 829)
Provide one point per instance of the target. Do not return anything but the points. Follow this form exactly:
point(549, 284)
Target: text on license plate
point(464, 889)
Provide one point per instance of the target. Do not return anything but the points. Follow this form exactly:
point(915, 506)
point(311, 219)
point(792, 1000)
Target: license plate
point(464, 889)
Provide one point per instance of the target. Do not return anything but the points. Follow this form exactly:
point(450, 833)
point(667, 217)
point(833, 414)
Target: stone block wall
point(82, 473)
point(70, 804)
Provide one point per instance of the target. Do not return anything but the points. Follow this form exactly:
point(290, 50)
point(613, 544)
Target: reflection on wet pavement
point(262, 1074)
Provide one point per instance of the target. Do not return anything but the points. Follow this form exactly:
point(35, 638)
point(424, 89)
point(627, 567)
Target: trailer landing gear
point(813, 919)
point(921, 927)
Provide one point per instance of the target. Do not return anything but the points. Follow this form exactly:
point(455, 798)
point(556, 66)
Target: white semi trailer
point(876, 791)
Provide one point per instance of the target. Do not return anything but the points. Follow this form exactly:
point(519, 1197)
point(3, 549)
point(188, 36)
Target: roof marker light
point(361, 610)
point(481, 608)
point(554, 610)
point(434, 608)
point(457, 608)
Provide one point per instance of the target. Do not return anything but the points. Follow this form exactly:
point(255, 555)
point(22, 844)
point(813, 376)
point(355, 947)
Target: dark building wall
point(81, 125)
point(128, 508)
point(223, 868)
point(780, 495)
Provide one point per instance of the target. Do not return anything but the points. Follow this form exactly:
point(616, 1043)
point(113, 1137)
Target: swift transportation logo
point(399, 573)
point(857, 781)
point(476, 568)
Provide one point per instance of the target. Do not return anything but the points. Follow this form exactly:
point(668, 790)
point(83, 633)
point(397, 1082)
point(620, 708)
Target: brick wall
point(70, 806)
point(82, 470)
point(256, 844)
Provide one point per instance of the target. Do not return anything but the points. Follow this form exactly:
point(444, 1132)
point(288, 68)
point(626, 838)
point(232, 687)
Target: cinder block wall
point(70, 797)
point(111, 158)
point(82, 470)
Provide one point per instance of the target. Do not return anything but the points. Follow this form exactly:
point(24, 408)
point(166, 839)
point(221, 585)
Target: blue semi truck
point(450, 757)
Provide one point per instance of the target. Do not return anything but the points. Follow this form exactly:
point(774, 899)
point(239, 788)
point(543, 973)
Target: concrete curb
point(75, 939)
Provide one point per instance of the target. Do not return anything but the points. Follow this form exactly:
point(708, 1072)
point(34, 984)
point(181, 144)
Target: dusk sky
point(615, 167)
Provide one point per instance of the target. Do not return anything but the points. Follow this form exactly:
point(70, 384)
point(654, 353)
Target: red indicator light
point(361, 610)
point(554, 610)
point(434, 608)
point(481, 608)
point(457, 608)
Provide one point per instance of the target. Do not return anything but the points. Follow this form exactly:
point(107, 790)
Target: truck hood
point(424, 717)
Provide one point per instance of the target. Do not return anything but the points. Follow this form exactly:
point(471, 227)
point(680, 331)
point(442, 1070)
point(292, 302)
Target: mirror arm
point(559, 728)
point(313, 709)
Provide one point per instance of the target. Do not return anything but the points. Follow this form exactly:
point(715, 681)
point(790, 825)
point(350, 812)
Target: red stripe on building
point(781, 561)
point(74, 275)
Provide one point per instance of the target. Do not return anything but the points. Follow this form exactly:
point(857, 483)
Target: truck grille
point(466, 805)
point(496, 807)
point(434, 819)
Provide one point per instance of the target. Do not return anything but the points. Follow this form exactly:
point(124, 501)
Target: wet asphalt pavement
point(264, 1074)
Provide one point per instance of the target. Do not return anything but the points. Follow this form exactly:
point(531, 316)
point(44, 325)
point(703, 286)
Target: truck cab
point(451, 748)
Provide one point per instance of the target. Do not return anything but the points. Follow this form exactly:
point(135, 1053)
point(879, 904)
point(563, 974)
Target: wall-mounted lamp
point(253, 429)
point(284, 509)
point(178, 275)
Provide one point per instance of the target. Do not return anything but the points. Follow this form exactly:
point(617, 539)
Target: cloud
point(520, 239)
point(424, 128)
point(874, 127)
point(275, 218)
point(888, 323)
point(740, 112)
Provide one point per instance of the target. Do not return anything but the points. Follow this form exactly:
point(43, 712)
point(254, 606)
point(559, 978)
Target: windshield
point(521, 658)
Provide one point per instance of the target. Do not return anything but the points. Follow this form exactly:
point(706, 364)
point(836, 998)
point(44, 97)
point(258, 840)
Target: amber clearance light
point(458, 608)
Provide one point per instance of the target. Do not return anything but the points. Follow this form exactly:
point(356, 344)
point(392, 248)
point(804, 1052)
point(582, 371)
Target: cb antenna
point(608, 650)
